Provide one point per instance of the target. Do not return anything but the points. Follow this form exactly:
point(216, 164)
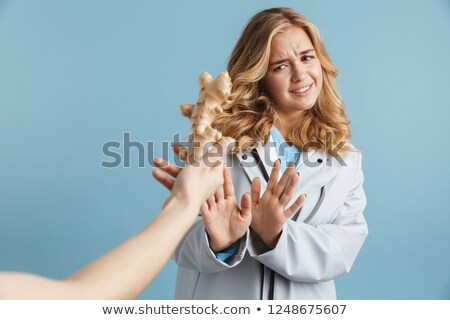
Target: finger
point(295, 206)
point(228, 187)
point(219, 174)
point(165, 180)
point(177, 147)
point(211, 201)
point(289, 190)
point(285, 178)
point(219, 195)
point(255, 191)
point(246, 205)
point(167, 166)
point(204, 210)
point(273, 179)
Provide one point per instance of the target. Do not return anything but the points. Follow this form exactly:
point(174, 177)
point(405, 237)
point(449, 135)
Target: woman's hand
point(224, 222)
point(268, 212)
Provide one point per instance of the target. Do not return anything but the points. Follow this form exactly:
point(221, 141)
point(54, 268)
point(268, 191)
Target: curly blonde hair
point(250, 114)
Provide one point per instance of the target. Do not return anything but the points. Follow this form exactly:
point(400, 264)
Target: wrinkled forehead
point(288, 41)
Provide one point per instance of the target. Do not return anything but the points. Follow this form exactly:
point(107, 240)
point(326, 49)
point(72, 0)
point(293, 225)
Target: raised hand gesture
point(269, 212)
point(224, 221)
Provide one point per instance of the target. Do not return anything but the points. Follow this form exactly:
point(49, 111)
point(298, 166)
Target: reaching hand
point(167, 167)
point(224, 222)
point(268, 212)
point(196, 182)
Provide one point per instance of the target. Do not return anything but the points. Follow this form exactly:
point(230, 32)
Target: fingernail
point(298, 173)
point(157, 160)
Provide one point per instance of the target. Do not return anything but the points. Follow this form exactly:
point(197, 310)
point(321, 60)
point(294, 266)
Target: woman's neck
point(285, 122)
point(283, 130)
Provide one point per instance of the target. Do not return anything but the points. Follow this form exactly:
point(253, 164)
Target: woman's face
point(294, 77)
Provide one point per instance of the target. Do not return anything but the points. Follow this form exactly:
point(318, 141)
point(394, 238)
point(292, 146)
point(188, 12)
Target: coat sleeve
point(307, 253)
point(194, 252)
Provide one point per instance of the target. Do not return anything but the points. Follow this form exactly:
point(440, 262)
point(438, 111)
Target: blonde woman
point(288, 116)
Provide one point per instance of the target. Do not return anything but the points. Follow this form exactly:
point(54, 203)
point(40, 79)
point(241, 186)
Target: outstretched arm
point(124, 272)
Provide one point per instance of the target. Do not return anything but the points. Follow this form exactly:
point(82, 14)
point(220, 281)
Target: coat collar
point(315, 167)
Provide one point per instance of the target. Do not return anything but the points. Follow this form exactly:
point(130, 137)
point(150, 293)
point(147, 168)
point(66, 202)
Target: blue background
point(76, 74)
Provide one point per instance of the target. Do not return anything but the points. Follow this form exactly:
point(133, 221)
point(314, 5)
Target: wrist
point(183, 208)
point(272, 241)
point(188, 202)
point(218, 246)
point(271, 238)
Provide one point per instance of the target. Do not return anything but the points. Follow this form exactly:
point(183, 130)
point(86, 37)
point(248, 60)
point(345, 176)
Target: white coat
point(316, 245)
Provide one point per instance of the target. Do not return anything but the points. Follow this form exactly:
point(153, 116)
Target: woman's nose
point(298, 73)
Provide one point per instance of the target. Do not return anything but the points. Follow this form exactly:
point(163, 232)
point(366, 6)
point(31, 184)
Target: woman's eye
point(307, 58)
point(280, 67)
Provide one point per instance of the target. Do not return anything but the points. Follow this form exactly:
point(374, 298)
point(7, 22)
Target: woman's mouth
point(302, 91)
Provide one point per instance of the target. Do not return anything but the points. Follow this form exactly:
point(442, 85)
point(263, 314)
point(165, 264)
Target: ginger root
point(213, 95)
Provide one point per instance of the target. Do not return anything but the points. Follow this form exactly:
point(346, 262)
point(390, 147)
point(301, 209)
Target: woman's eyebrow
point(286, 59)
point(278, 62)
point(306, 51)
